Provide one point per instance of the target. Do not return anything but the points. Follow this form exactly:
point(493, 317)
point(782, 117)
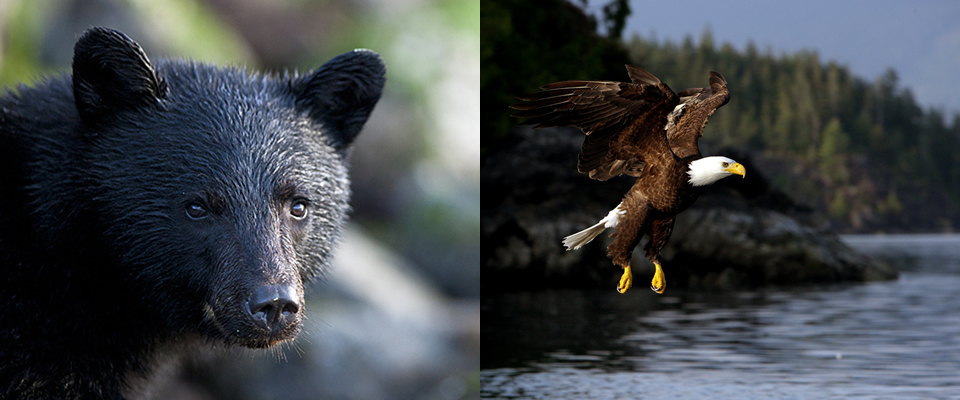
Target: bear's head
point(219, 193)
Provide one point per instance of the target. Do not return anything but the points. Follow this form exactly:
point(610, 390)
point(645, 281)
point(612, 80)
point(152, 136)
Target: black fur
point(105, 269)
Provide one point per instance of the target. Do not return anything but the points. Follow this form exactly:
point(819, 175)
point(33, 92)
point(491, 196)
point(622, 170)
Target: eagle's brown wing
point(685, 124)
point(624, 122)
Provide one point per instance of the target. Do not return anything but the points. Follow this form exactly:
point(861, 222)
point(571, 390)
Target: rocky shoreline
point(741, 233)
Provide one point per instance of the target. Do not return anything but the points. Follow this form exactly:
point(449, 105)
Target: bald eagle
point(641, 129)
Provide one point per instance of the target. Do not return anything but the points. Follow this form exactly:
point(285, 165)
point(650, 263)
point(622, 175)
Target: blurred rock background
point(399, 314)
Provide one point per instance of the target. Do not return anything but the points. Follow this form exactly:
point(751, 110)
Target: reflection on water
point(897, 339)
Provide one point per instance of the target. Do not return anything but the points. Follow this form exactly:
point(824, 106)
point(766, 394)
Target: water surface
point(894, 339)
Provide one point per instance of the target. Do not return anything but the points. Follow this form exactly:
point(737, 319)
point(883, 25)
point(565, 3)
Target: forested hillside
point(862, 152)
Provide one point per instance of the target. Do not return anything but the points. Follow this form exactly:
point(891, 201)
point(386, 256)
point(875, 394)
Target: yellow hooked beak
point(737, 169)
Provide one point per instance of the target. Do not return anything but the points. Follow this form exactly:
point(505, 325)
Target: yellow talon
point(626, 281)
point(659, 282)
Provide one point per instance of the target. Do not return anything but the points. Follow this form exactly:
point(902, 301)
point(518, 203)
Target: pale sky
point(919, 39)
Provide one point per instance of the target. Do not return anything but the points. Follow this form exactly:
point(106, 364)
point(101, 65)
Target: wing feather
point(623, 122)
point(685, 124)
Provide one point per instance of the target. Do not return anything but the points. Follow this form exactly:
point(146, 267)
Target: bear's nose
point(275, 306)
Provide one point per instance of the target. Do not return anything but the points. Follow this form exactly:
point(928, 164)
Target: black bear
point(151, 209)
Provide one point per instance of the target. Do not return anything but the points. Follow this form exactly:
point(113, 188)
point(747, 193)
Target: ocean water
point(896, 339)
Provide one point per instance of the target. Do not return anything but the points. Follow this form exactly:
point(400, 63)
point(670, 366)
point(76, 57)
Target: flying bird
point(644, 130)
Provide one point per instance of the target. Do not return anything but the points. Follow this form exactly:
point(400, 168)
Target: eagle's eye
point(726, 164)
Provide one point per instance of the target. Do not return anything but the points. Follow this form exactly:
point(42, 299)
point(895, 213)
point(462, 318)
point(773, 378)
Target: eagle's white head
point(708, 170)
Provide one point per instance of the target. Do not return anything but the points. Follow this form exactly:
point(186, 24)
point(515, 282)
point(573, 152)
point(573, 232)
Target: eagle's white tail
point(576, 240)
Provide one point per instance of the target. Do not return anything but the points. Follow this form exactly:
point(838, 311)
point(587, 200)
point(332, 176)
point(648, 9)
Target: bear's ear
point(341, 93)
point(112, 73)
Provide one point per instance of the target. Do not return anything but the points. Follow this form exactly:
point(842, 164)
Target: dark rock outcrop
point(741, 233)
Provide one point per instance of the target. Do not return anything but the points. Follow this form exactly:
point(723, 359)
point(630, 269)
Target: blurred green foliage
point(20, 58)
point(174, 24)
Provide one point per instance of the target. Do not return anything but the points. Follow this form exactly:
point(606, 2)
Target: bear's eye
point(298, 210)
point(196, 211)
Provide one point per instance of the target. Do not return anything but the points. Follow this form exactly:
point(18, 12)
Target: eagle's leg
point(629, 229)
point(626, 281)
point(660, 230)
